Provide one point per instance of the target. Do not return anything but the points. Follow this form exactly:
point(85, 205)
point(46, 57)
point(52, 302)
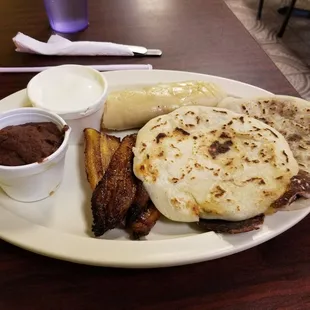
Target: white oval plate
point(59, 226)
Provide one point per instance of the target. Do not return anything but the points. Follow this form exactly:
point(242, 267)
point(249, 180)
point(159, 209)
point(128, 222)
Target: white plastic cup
point(78, 123)
point(53, 80)
point(33, 182)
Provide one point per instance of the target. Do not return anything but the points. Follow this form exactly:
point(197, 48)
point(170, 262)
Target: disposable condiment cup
point(35, 181)
point(76, 93)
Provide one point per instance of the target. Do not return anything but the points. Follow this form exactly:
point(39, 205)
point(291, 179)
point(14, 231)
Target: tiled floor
point(291, 54)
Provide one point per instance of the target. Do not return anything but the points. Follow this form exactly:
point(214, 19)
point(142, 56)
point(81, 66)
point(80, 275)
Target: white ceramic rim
point(93, 106)
point(48, 158)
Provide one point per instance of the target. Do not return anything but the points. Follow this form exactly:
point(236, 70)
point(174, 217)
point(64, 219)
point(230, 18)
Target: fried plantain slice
point(108, 146)
point(142, 197)
point(116, 191)
point(98, 151)
point(142, 215)
point(143, 221)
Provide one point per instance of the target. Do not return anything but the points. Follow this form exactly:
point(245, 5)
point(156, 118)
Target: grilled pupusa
point(289, 115)
point(211, 163)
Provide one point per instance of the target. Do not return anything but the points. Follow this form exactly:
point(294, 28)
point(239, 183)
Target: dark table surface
point(195, 35)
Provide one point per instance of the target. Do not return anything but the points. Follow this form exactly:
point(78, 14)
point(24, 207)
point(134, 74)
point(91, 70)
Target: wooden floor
point(291, 54)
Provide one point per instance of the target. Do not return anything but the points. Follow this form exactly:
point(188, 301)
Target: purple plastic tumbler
point(67, 16)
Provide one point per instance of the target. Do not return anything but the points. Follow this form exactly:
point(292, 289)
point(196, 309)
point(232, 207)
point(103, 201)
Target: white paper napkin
point(59, 46)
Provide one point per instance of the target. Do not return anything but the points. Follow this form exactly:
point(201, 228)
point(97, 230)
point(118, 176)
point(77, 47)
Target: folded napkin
point(57, 45)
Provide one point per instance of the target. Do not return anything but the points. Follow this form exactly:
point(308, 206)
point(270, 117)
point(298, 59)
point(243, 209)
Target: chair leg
point(260, 9)
point(286, 19)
